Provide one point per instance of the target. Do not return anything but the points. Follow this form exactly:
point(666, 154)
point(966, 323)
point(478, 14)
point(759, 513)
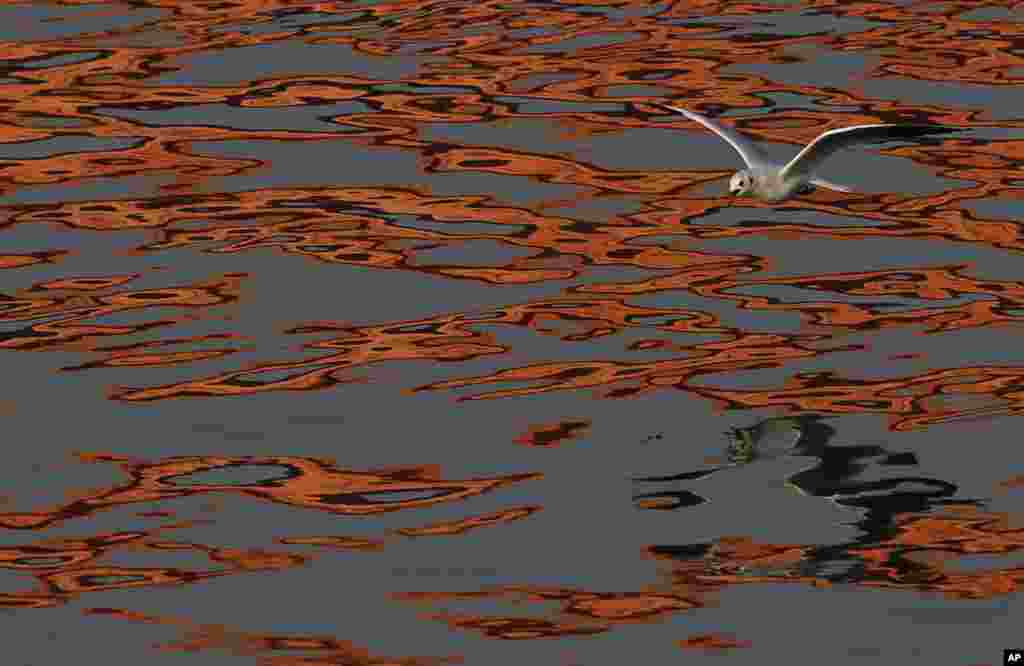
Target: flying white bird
point(775, 182)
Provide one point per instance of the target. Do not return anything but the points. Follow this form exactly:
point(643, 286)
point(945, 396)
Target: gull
point(774, 182)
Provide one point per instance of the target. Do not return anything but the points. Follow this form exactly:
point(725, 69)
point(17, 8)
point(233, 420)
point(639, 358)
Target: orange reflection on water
point(449, 527)
point(308, 483)
point(579, 612)
point(299, 650)
point(984, 50)
point(630, 378)
point(450, 338)
point(921, 556)
point(338, 542)
point(933, 283)
point(64, 315)
point(314, 232)
point(907, 399)
point(586, 72)
point(520, 628)
point(21, 260)
point(66, 568)
point(441, 528)
point(713, 642)
point(551, 435)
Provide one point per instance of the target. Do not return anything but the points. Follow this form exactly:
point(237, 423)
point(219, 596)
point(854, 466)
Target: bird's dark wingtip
point(917, 131)
point(936, 129)
point(668, 107)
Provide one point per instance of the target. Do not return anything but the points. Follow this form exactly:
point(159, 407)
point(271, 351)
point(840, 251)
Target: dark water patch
point(739, 217)
point(58, 60)
point(977, 613)
point(421, 89)
point(39, 21)
point(528, 134)
point(599, 209)
point(293, 164)
point(235, 475)
point(299, 19)
point(999, 208)
point(316, 419)
point(525, 105)
point(989, 14)
point(614, 13)
point(245, 436)
point(728, 315)
point(458, 228)
point(986, 562)
point(788, 294)
point(54, 122)
point(65, 144)
point(649, 149)
point(788, 100)
point(637, 91)
point(810, 256)
point(265, 61)
point(208, 428)
point(583, 42)
point(537, 82)
point(305, 118)
point(636, 149)
point(471, 253)
point(527, 33)
point(993, 102)
point(387, 496)
point(781, 24)
point(140, 38)
point(812, 67)
point(90, 189)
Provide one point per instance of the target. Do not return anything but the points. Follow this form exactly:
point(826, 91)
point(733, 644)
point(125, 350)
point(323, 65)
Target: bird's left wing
point(814, 153)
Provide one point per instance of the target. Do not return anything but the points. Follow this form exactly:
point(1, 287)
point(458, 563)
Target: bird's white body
point(766, 182)
point(773, 182)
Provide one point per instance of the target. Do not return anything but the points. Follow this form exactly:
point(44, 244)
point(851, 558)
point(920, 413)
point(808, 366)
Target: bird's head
point(741, 183)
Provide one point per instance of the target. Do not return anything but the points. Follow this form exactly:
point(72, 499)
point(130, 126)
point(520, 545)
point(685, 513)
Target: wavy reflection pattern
point(110, 130)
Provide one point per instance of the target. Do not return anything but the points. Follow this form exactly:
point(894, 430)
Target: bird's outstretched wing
point(747, 150)
point(814, 153)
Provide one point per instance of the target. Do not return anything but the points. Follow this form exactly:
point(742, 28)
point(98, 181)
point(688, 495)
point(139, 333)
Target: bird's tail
point(818, 182)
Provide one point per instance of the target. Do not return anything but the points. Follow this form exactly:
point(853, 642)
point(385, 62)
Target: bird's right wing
point(741, 144)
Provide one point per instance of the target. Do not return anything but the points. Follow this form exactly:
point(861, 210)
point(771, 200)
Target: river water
point(366, 333)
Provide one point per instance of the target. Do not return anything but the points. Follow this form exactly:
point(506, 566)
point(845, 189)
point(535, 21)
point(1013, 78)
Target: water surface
point(416, 333)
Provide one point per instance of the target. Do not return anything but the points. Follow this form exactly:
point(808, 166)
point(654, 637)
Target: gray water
point(410, 333)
